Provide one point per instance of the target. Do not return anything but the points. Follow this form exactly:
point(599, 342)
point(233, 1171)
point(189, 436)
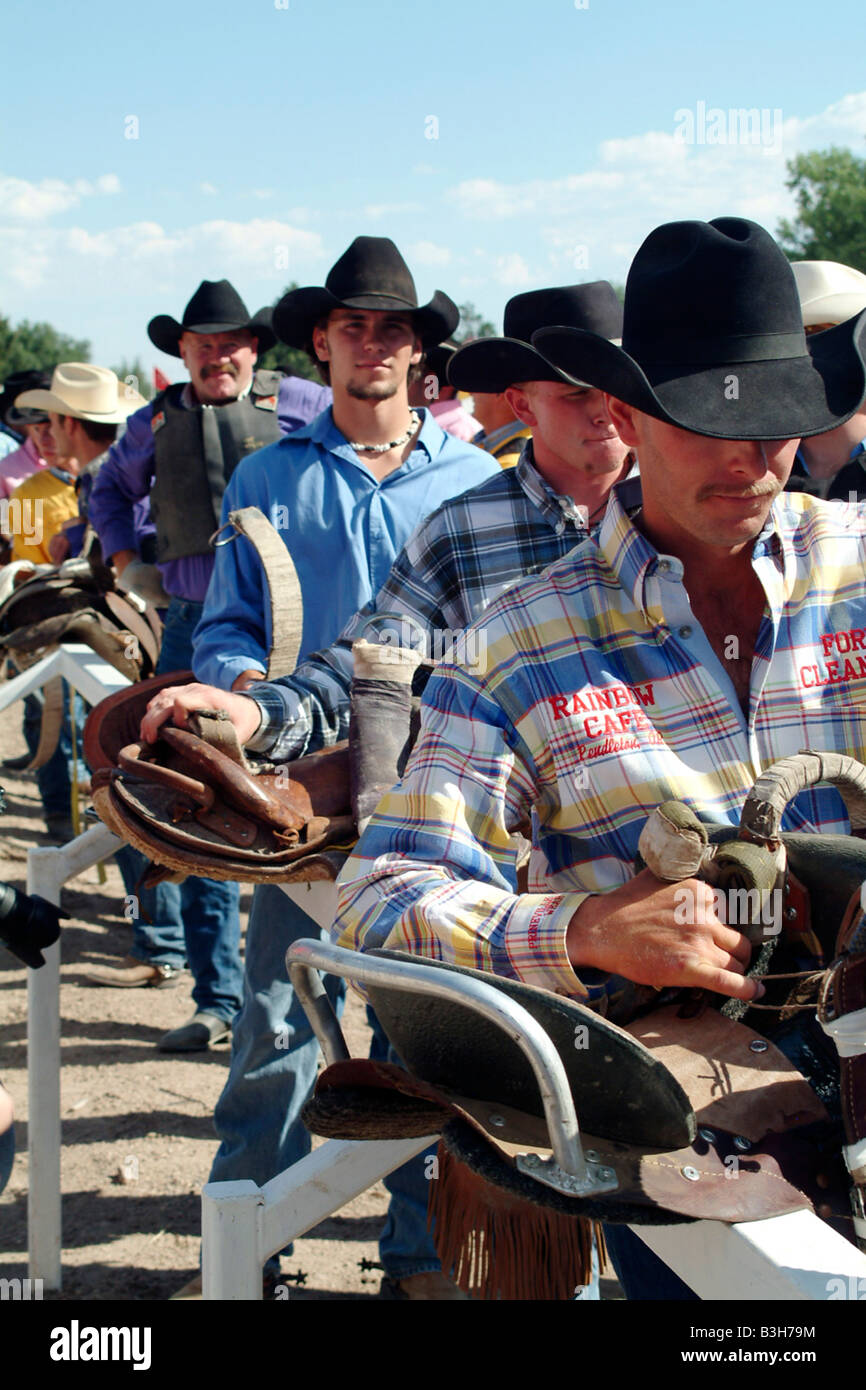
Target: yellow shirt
point(506, 443)
point(35, 512)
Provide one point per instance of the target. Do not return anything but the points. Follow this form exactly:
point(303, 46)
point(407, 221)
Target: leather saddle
point(77, 602)
point(73, 602)
point(195, 804)
point(687, 1112)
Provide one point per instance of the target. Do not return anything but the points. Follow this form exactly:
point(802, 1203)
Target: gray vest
point(195, 453)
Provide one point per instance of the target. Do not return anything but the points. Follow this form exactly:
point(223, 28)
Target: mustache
point(219, 370)
point(745, 494)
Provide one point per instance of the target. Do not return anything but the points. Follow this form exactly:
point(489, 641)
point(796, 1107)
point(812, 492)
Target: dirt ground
point(137, 1131)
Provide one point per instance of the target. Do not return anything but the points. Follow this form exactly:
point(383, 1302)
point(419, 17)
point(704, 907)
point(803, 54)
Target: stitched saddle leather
point(195, 804)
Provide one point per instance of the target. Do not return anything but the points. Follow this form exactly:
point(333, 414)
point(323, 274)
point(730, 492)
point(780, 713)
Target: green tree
point(288, 359)
point(37, 347)
point(830, 190)
point(473, 324)
point(135, 374)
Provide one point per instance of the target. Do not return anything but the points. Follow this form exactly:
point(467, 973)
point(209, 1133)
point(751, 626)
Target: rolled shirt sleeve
point(434, 873)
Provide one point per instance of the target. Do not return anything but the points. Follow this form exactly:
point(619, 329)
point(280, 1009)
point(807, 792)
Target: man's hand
point(173, 704)
point(121, 558)
point(246, 679)
point(632, 931)
point(58, 548)
point(145, 581)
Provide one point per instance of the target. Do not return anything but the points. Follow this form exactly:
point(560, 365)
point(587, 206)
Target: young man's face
point(369, 351)
point(220, 365)
point(43, 440)
point(715, 491)
point(63, 444)
point(572, 422)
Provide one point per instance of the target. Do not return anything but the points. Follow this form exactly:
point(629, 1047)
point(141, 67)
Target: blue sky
point(503, 144)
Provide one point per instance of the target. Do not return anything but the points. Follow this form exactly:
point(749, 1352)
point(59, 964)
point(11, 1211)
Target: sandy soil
point(137, 1131)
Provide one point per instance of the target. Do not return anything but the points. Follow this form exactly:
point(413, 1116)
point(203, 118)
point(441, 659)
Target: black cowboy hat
point(491, 364)
point(713, 340)
point(216, 307)
point(370, 275)
point(17, 416)
point(436, 359)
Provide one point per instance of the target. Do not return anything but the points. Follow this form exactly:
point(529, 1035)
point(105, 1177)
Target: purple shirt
point(127, 476)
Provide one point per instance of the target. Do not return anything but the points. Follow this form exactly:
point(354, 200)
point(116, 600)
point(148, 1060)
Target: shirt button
point(685, 632)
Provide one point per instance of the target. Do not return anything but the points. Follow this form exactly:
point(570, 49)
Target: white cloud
point(63, 257)
point(24, 201)
point(511, 270)
point(593, 221)
point(427, 253)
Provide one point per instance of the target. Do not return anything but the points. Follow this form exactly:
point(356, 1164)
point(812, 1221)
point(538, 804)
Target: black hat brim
point(164, 331)
point(17, 418)
point(298, 312)
point(786, 398)
point(494, 364)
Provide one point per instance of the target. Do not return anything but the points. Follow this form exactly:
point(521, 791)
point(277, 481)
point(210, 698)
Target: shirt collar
point(190, 401)
point(632, 558)
point(557, 509)
point(323, 432)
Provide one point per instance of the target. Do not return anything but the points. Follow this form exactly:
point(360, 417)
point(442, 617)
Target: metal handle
point(305, 957)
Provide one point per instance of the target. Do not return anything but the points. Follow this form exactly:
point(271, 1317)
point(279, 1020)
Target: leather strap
point(51, 724)
point(284, 589)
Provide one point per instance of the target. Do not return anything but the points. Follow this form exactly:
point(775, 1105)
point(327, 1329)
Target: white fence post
point(231, 1259)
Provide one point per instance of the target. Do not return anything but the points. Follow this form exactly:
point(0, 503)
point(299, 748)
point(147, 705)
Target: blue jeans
point(642, 1274)
point(273, 1070)
point(199, 919)
point(53, 779)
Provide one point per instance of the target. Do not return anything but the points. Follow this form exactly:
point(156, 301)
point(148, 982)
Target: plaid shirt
point(593, 709)
point(464, 555)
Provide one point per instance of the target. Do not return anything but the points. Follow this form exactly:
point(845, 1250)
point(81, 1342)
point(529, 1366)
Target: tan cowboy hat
point(86, 393)
point(829, 292)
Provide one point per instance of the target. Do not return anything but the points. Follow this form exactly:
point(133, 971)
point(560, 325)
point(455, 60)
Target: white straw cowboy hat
point(87, 393)
point(829, 292)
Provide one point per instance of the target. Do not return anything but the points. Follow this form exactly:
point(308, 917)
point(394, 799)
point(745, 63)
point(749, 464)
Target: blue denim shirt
point(342, 525)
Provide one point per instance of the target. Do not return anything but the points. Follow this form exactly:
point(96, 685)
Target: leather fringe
point(498, 1246)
